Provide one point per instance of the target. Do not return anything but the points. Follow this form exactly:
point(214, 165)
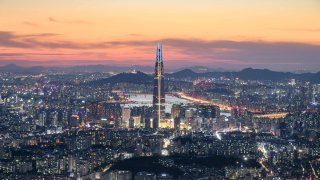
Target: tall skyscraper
point(125, 116)
point(158, 91)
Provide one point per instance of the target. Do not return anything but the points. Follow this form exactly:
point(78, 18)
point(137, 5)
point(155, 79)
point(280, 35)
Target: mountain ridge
point(134, 78)
point(248, 74)
point(184, 74)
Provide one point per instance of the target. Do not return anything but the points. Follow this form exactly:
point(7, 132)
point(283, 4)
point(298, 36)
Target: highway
point(272, 115)
point(202, 101)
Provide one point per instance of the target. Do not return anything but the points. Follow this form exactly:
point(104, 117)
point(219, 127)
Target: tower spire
point(159, 52)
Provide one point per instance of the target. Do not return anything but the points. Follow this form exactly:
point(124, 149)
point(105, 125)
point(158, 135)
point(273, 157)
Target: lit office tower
point(158, 91)
point(125, 116)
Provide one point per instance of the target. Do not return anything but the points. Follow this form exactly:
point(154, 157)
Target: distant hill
point(184, 74)
point(262, 74)
point(13, 68)
point(134, 78)
point(10, 68)
point(203, 69)
point(247, 74)
point(266, 74)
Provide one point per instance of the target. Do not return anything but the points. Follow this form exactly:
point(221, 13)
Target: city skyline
point(278, 35)
point(171, 89)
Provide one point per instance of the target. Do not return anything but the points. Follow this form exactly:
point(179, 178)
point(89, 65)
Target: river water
point(146, 100)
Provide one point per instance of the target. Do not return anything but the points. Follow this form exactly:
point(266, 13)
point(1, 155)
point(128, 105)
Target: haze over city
point(278, 35)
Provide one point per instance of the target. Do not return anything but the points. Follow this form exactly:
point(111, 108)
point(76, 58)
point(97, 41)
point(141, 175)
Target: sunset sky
point(231, 34)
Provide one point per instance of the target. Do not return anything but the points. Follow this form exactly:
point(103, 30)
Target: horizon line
point(175, 69)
